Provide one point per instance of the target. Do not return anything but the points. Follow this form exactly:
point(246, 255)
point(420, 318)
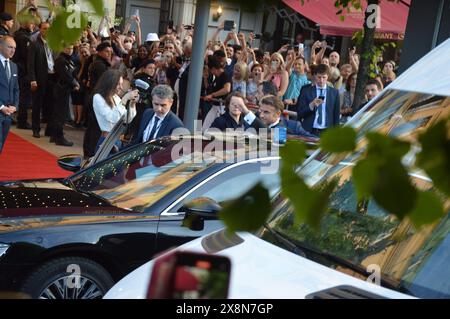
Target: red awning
point(391, 25)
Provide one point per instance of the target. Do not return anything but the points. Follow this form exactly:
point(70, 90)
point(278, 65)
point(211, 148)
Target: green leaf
point(428, 209)
point(364, 176)
point(393, 190)
point(249, 212)
point(310, 204)
point(380, 144)
point(434, 158)
point(66, 29)
point(338, 139)
point(97, 5)
point(342, 18)
point(293, 152)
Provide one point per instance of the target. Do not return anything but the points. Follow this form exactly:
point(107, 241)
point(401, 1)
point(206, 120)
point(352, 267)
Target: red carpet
point(21, 159)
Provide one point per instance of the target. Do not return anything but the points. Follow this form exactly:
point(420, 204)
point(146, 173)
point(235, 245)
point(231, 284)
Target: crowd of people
point(91, 84)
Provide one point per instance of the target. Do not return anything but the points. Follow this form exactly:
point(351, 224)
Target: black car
point(75, 237)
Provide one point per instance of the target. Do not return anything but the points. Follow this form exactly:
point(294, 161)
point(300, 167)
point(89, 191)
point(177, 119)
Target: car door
point(225, 185)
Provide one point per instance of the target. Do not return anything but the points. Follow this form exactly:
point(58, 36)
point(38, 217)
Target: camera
point(257, 36)
point(142, 87)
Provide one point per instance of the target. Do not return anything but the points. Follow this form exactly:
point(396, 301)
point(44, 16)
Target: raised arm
point(217, 32)
point(138, 31)
point(321, 52)
point(352, 58)
point(313, 57)
point(290, 61)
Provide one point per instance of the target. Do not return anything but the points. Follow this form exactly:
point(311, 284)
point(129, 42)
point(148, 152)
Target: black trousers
point(92, 133)
point(43, 102)
point(24, 100)
point(60, 112)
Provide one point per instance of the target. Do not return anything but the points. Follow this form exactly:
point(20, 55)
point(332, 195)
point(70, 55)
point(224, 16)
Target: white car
point(356, 243)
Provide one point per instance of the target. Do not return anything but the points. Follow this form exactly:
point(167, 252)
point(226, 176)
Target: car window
point(234, 182)
point(136, 179)
point(362, 234)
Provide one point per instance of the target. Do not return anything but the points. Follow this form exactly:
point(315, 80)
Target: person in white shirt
point(109, 107)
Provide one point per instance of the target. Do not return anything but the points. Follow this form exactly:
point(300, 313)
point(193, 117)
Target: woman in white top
point(107, 104)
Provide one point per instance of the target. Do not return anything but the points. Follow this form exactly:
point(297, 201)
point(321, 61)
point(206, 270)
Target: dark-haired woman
point(108, 106)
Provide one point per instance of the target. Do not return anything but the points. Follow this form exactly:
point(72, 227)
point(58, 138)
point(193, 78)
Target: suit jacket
point(306, 116)
point(168, 125)
point(9, 90)
point(37, 62)
point(23, 42)
point(293, 128)
point(96, 70)
point(64, 72)
point(182, 90)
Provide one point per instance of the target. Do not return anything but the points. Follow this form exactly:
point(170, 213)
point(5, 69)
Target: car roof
point(417, 77)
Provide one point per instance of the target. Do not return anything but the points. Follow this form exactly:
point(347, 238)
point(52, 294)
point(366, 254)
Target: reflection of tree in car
point(344, 230)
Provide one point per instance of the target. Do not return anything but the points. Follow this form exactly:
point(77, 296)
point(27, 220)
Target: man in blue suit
point(270, 111)
point(318, 106)
point(159, 121)
point(9, 86)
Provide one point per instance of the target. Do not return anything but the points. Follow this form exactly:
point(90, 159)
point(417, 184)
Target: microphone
point(141, 84)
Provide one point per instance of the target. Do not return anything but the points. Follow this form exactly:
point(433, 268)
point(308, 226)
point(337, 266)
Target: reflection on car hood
point(259, 270)
point(45, 199)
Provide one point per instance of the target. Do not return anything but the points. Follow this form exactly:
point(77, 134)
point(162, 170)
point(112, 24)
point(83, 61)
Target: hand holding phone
point(228, 25)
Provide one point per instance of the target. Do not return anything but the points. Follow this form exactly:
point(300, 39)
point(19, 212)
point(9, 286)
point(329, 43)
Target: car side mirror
point(199, 210)
point(72, 162)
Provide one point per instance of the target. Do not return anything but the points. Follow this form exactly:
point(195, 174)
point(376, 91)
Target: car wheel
point(68, 278)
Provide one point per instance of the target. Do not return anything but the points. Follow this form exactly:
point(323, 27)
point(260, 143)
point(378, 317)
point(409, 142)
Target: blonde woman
point(240, 78)
point(277, 73)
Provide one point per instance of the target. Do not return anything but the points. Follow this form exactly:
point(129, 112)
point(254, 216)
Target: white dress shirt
point(108, 116)
point(2, 60)
point(150, 125)
point(321, 107)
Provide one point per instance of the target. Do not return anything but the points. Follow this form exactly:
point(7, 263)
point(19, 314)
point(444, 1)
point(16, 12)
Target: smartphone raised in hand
point(228, 25)
point(189, 275)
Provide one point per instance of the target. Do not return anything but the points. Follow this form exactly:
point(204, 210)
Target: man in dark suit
point(159, 121)
point(42, 79)
point(9, 86)
point(270, 110)
point(23, 41)
point(318, 106)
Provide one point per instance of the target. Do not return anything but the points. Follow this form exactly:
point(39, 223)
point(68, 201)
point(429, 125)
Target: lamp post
point(196, 66)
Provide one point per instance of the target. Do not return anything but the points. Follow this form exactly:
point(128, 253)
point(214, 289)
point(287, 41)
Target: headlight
point(3, 249)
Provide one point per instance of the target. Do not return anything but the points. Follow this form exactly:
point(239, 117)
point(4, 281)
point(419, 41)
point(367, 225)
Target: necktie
point(319, 109)
point(8, 71)
point(153, 131)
